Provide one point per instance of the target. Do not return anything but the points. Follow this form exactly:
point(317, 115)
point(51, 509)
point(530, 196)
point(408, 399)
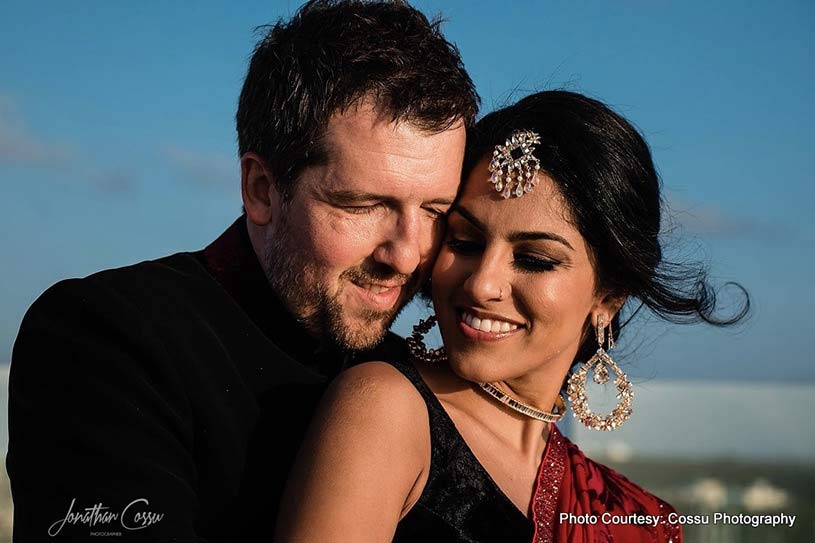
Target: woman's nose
point(489, 279)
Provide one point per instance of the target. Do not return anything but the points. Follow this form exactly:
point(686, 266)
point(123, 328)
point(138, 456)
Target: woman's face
point(513, 287)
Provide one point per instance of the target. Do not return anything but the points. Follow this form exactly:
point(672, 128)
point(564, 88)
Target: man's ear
point(261, 197)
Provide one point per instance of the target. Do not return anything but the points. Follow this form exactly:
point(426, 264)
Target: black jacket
point(164, 401)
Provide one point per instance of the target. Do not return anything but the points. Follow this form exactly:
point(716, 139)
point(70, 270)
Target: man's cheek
point(347, 247)
point(330, 228)
point(335, 255)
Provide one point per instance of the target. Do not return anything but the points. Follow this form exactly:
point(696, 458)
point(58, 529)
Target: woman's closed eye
point(465, 247)
point(530, 263)
point(522, 261)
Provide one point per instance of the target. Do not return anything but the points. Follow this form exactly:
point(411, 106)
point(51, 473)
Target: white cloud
point(20, 147)
point(716, 222)
point(211, 169)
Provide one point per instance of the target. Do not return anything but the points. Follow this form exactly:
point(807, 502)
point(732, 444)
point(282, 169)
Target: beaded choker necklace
point(523, 408)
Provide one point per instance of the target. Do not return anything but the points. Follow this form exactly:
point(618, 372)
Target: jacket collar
point(232, 261)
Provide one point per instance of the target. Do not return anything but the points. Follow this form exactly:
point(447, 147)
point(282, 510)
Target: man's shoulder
point(135, 285)
point(171, 269)
point(81, 329)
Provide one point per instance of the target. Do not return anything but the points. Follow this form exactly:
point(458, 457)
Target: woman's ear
point(261, 197)
point(607, 305)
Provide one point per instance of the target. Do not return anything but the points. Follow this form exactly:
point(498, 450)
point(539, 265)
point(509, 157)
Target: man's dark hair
point(328, 57)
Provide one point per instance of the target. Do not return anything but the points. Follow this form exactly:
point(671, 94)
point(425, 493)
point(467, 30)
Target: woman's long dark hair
point(603, 169)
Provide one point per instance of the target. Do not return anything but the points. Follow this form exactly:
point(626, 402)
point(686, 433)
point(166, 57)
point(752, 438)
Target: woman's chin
point(474, 370)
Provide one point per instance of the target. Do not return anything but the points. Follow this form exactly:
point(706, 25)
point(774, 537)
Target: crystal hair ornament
point(513, 167)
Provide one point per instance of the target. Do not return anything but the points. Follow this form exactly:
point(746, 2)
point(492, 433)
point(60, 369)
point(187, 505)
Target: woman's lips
point(474, 328)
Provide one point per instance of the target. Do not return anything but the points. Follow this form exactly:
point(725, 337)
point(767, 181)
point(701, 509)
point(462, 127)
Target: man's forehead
point(344, 184)
point(367, 124)
point(364, 113)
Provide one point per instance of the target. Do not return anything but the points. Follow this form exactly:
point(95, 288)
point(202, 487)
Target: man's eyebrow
point(348, 196)
point(442, 201)
point(513, 236)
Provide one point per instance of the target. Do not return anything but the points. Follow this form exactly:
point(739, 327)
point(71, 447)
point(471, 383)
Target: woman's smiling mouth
point(480, 326)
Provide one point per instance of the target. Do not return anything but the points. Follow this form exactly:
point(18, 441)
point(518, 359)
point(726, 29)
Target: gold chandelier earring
point(600, 364)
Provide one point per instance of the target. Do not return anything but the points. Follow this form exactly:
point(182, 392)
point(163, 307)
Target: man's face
point(359, 234)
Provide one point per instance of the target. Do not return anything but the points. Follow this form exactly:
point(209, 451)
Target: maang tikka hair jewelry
point(600, 363)
point(513, 167)
point(420, 352)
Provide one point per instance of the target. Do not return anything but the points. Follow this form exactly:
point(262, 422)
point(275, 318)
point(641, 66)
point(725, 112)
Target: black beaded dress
point(462, 503)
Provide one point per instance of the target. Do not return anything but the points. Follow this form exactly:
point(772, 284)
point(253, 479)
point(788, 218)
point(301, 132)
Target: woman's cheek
point(445, 262)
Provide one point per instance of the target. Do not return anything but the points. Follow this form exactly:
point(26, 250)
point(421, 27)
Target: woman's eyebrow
point(513, 236)
point(461, 210)
point(533, 236)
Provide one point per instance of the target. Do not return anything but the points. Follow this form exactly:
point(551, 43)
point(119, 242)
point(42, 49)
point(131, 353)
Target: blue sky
point(117, 142)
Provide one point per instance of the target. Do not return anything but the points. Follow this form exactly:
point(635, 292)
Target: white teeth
point(488, 325)
point(376, 289)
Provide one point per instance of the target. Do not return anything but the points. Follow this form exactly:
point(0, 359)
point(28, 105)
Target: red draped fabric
point(568, 482)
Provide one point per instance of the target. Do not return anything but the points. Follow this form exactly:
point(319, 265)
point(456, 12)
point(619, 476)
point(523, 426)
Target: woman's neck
point(466, 403)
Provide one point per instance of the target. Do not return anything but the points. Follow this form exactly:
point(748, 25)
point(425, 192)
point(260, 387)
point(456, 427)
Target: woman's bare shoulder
point(374, 410)
point(363, 462)
point(380, 387)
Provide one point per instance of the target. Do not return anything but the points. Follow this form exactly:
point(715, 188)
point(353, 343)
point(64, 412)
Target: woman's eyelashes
point(528, 263)
point(524, 262)
point(464, 247)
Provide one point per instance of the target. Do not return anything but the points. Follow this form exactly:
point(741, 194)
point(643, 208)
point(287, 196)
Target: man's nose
point(403, 244)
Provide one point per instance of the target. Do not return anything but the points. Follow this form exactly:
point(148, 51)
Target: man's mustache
point(380, 275)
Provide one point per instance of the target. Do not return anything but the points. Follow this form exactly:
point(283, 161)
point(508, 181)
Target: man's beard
point(294, 279)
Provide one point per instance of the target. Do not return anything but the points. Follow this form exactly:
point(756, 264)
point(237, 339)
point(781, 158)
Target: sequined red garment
point(568, 482)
